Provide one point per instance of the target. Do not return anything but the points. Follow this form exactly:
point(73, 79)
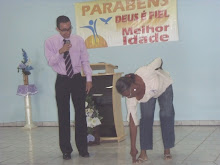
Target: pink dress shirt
point(78, 54)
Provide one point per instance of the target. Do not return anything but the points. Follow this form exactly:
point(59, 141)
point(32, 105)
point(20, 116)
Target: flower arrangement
point(92, 114)
point(93, 119)
point(25, 65)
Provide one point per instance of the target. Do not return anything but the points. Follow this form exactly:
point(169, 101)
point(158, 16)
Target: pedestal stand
point(27, 90)
point(28, 114)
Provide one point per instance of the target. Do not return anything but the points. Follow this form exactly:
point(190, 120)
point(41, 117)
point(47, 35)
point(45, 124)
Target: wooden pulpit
point(108, 101)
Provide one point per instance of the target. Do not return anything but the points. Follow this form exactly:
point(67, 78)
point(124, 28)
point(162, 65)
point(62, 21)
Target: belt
point(75, 75)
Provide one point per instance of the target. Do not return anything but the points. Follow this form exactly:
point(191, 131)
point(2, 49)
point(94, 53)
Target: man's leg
point(78, 98)
point(63, 105)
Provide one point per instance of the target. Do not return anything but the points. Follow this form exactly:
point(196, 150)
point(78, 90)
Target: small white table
point(26, 91)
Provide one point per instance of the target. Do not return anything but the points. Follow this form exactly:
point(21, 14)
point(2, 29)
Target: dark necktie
point(69, 67)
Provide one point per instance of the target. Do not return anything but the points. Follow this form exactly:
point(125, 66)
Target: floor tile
point(195, 145)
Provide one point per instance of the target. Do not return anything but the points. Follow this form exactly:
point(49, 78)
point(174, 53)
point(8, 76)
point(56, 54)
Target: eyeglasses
point(66, 30)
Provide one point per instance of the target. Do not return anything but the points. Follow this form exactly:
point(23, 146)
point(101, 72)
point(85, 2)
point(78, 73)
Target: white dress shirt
point(156, 82)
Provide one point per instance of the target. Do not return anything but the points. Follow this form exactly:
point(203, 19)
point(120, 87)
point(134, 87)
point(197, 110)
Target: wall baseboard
point(177, 123)
point(189, 122)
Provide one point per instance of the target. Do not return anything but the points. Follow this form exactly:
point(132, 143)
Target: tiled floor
point(195, 145)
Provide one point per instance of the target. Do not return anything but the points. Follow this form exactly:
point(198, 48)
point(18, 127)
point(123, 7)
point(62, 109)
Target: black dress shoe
point(66, 156)
point(85, 155)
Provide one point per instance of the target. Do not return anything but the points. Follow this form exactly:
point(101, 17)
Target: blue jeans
point(166, 120)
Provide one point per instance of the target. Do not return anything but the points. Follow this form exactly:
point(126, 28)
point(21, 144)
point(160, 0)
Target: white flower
point(89, 122)
point(95, 121)
point(92, 122)
point(86, 104)
point(28, 62)
point(89, 112)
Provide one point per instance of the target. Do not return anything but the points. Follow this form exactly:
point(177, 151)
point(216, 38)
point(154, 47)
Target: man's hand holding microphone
point(66, 47)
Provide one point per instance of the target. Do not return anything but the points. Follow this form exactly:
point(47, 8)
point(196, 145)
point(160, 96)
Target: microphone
point(66, 52)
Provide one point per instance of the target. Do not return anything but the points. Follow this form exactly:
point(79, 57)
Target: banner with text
point(105, 23)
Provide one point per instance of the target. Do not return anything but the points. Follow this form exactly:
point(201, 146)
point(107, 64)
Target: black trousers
point(74, 87)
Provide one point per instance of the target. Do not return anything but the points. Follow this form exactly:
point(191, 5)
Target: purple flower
point(90, 138)
point(25, 65)
point(21, 66)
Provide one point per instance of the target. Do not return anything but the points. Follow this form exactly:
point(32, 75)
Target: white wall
point(193, 61)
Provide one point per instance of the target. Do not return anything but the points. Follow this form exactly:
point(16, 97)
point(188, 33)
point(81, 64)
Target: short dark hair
point(124, 83)
point(62, 19)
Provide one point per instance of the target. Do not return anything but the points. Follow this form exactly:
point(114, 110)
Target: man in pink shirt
point(66, 55)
